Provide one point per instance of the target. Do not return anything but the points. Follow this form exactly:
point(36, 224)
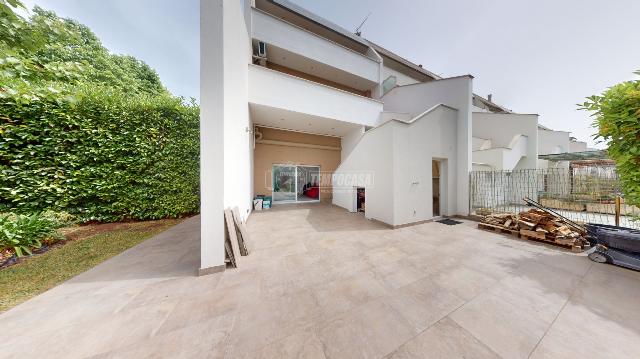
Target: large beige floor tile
point(540, 290)
point(509, 330)
point(303, 344)
point(371, 331)
point(584, 332)
point(444, 340)
point(264, 322)
point(464, 282)
point(338, 297)
point(206, 339)
point(422, 303)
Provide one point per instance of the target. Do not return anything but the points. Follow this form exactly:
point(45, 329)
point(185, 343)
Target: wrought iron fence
point(581, 193)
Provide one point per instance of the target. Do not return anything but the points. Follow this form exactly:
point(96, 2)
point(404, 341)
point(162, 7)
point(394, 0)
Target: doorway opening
point(436, 168)
point(295, 183)
point(360, 196)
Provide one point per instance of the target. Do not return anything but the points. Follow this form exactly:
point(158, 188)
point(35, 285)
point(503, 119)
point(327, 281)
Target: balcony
point(293, 47)
point(275, 89)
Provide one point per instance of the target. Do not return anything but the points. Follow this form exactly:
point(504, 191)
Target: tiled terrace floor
point(322, 283)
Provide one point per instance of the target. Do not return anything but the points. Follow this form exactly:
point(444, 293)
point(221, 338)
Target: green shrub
point(617, 118)
point(89, 132)
point(101, 155)
point(22, 233)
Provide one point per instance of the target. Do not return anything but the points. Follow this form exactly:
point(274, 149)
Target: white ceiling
point(296, 121)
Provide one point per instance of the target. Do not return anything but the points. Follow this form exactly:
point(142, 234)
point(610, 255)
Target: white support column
point(465, 126)
point(211, 137)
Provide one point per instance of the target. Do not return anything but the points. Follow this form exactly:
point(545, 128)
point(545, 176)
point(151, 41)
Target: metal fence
point(583, 193)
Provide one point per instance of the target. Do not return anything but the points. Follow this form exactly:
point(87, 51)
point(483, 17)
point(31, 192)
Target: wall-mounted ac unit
point(262, 49)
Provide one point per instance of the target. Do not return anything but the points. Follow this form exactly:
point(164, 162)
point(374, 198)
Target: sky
point(163, 33)
point(534, 56)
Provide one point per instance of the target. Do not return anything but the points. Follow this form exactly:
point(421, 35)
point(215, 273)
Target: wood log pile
point(539, 225)
point(504, 220)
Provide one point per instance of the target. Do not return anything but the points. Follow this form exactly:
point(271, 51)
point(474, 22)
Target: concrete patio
point(323, 283)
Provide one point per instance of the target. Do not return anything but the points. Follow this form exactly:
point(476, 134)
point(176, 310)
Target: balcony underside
point(290, 120)
point(273, 89)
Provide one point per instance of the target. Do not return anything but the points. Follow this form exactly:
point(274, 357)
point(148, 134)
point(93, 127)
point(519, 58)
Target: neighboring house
point(552, 142)
point(504, 141)
point(297, 108)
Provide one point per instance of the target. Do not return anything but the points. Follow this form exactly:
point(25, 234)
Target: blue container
point(266, 202)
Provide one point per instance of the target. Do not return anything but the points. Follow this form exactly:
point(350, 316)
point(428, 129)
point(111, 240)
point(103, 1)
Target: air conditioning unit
point(262, 49)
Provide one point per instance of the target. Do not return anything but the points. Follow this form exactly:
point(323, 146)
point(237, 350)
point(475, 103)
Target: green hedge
point(616, 115)
point(99, 154)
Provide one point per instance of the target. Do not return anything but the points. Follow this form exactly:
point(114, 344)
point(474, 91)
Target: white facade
point(398, 156)
point(271, 64)
point(456, 93)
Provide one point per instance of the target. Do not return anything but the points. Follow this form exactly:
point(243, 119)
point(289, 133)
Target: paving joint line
point(561, 310)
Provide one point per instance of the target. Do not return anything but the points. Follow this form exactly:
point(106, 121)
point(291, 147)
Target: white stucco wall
point(372, 157)
point(211, 134)
point(399, 156)
point(455, 92)
point(237, 152)
point(481, 143)
point(501, 129)
point(577, 146)
point(226, 156)
point(433, 136)
point(349, 141)
point(552, 142)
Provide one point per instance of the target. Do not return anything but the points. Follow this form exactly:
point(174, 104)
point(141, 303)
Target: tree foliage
point(87, 131)
point(616, 115)
point(47, 49)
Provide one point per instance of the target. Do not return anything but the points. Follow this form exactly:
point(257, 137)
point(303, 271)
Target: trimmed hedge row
point(100, 155)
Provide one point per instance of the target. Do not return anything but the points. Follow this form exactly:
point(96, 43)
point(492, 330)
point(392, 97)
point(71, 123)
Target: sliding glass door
point(294, 184)
point(308, 183)
point(284, 183)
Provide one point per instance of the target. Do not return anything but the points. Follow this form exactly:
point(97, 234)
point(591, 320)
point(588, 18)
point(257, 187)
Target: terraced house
point(299, 109)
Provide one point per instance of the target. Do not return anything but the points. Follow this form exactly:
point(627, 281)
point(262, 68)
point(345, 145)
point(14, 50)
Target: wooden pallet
point(518, 234)
point(498, 229)
point(577, 248)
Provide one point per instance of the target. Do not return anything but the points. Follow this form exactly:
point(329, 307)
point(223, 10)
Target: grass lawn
point(89, 245)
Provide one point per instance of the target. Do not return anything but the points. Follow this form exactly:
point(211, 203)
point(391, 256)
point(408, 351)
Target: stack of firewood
point(540, 225)
point(505, 220)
